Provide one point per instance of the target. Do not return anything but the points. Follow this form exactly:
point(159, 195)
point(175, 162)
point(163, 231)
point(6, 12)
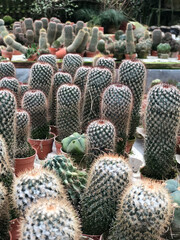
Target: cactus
point(71, 62)
point(130, 46)
point(37, 27)
point(3, 30)
point(23, 148)
point(133, 75)
point(162, 120)
point(68, 110)
point(101, 46)
point(28, 23)
point(60, 40)
point(108, 63)
point(35, 103)
point(33, 185)
point(68, 34)
point(77, 42)
point(8, 121)
point(156, 38)
point(45, 22)
point(7, 69)
point(98, 79)
point(15, 45)
point(144, 213)
point(51, 59)
point(73, 179)
point(59, 30)
point(116, 107)
point(53, 219)
point(82, 47)
point(109, 176)
point(101, 135)
point(29, 36)
point(41, 77)
point(94, 40)
point(58, 79)
point(23, 88)
point(79, 26)
point(43, 43)
point(51, 32)
point(4, 214)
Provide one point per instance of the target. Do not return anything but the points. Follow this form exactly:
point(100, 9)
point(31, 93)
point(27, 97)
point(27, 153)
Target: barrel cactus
point(71, 62)
point(108, 63)
point(51, 59)
point(7, 69)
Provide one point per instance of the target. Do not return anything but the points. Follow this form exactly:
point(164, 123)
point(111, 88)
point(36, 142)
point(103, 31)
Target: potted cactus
point(130, 45)
point(163, 50)
point(143, 48)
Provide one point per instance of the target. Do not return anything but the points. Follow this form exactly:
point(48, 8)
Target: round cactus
point(108, 63)
point(51, 219)
point(51, 59)
point(109, 176)
point(71, 62)
point(7, 69)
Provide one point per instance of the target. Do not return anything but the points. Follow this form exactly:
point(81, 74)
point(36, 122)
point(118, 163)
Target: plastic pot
point(14, 229)
point(61, 53)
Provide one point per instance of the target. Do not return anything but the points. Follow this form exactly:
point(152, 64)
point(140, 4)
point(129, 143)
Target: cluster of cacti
point(133, 75)
point(51, 59)
point(7, 69)
point(162, 121)
point(71, 62)
point(68, 110)
point(53, 219)
point(144, 213)
point(36, 184)
point(116, 107)
point(98, 79)
point(73, 179)
point(108, 178)
point(35, 103)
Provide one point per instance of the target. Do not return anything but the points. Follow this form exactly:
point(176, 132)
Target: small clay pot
point(58, 146)
point(32, 58)
point(14, 229)
point(6, 54)
point(154, 53)
point(54, 130)
point(91, 54)
point(15, 52)
point(53, 50)
point(61, 53)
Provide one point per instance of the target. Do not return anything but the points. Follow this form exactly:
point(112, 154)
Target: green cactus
point(28, 24)
point(51, 32)
point(79, 26)
point(94, 40)
point(30, 36)
point(51, 59)
point(82, 47)
point(130, 45)
point(73, 179)
point(68, 110)
point(35, 103)
point(156, 38)
point(77, 42)
point(45, 22)
point(23, 88)
point(43, 42)
point(3, 30)
point(155, 82)
point(101, 46)
point(4, 214)
point(108, 63)
point(144, 213)
point(15, 45)
point(7, 69)
point(109, 176)
point(8, 121)
point(71, 62)
point(33, 185)
point(23, 148)
point(51, 219)
point(98, 79)
point(58, 79)
point(162, 121)
point(41, 77)
point(133, 75)
point(116, 107)
point(68, 34)
point(59, 30)
point(60, 40)
point(37, 27)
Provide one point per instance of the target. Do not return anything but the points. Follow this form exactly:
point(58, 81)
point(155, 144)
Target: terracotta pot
point(22, 164)
point(10, 236)
point(154, 53)
point(54, 130)
point(129, 145)
point(32, 58)
point(174, 54)
point(94, 237)
point(14, 228)
point(61, 53)
point(132, 56)
point(91, 54)
point(101, 29)
point(53, 50)
point(58, 147)
point(15, 52)
point(179, 57)
point(6, 54)
point(43, 147)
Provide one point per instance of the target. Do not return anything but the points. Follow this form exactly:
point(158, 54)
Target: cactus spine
point(162, 121)
point(130, 46)
point(71, 62)
point(68, 110)
point(109, 176)
point(7, 69)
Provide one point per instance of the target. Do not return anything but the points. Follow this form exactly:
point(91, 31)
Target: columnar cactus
point(77, 42)
point(23, 88)
point(101, 137)
point(79, 26)
point(73, 179)
point(23, 148)
point(156, 38)
point(83, 44)
point(28, 24)
point(36, 184)
point(98, 79)
point(35, 103)
point(130, 45)
point(45, 22)
point(68, 110)
point(71, 62)
point(51, 32)
point(162, 121)
point(58, 79)
point(8, 122)
point(4, 214)
point(68, 34)
point(51, 59)
point(7, 69)
point(15, 45)
point(43, 42)
point(108, 63)
point(116, 107)
point(59, 30)
point(41, 77)
point(144, 213)
point(37, 27)
point(94, 40)
point(109, 176)
point(133, 75)
point(30, 36)
point(51, 219)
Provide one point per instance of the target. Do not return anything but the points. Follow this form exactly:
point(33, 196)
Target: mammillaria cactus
point(37, 27)
point(116, 107)
point(4, 214)
point(73, 179)
point(94, 40)
point(35, 103)
point(53, 219)
point(23, 88)
point(68, 110)
point(133, 75)
point(144, 213)
point(51, 59)
point(71, 62)
point(41, 77)
point(36, 184)
point(109, 177)
point(130, 45)
point(7, 69)
point(23, 148)
point(43, 43)
point(108, 63)
point(8, 122)
point(162, 121)
point(51, 32)
point(101, 137)
point(98, 79)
